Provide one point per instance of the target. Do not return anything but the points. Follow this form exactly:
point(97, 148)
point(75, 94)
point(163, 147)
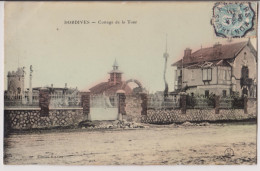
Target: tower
point(15, 81)
point(115, 75)
point(166, 56)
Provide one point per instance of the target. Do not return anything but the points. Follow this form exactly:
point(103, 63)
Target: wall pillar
point(144, 102)
point(183, 103)
point(85, 103)
point(44, 102)
point(245, 104)
point(217, 104)
point(121, 104)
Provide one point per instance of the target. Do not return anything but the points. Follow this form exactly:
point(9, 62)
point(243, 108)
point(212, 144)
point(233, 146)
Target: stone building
point(15, 81)
point(113, 84)
point(221, 70)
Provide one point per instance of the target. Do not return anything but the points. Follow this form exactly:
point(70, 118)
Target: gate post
point(144, 103)
point(245, 104)
point(44, 101)
point(183, 103)
point(85, 102)
point(121, 104)
point(217, 104)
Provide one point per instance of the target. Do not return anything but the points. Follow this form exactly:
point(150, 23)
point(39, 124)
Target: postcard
point(130, 83)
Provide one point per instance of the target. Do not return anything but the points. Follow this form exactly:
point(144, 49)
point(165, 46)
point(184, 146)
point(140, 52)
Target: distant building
point(16, 93)
point(60, 96)
point(221, 70)
point(113, 84)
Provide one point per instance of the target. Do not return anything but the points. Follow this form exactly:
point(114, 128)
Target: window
point(206, 93)
point(224, 93)
point(206, 74)
point(179, 72)
point(229, 75)
point(226, 75)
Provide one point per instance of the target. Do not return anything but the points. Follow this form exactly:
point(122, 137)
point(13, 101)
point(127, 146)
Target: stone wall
point(251, 105)
point(133, 108)
point(195, 115)
point(32, 118)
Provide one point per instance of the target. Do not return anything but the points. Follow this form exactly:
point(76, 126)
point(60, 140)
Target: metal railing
point(200, 102)
point(70, 100)
point(157, 103)
point(20, 101)
point(226, 103)
point(63, 101)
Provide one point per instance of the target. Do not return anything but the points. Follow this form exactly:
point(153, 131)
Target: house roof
point(107, 88)
point(208, 64)
point(227, 51)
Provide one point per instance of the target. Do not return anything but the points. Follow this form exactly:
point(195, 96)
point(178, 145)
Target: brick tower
point(115, 75)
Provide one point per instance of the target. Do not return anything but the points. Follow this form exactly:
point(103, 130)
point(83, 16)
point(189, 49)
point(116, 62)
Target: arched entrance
point(138, 83)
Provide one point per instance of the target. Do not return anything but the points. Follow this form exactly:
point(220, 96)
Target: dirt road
point(161, 145)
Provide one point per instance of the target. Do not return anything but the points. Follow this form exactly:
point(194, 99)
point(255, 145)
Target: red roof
point(109, 89)
point(227, 51)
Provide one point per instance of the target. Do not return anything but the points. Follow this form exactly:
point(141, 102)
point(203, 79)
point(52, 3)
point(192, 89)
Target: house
point(113, 84)
point(221, 70)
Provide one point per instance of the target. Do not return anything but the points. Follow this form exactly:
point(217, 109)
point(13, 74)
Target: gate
point(103, 107)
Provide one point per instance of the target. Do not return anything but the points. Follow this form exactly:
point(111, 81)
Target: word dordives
point(88, 22)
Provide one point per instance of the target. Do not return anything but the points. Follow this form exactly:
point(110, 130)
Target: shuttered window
point(206, 74)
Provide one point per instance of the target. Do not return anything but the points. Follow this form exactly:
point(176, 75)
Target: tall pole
point(165, 55)
point(30, 84)
point(182, 73)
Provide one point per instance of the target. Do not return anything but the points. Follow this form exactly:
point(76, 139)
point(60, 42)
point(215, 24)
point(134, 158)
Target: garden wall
point(195, 115)
point(31, 118)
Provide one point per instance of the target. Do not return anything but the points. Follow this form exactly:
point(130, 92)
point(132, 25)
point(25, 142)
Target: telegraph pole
point(166, 56)
point(30, 84)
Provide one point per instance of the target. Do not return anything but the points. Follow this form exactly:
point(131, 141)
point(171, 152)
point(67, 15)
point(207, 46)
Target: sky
point(81, 55)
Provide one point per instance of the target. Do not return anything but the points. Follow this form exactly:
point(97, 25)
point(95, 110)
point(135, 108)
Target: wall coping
point(37, 108)
point(20, 108)
point(66, 108)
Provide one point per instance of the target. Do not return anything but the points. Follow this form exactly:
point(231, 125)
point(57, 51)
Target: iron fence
point(159, 103)
point(65, 100)
point(17, 101)
point(20, 101)
point(201, 102)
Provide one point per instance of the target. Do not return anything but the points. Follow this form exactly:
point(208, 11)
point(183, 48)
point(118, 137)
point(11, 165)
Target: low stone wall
point(195, 115)
point(133, 108)
point(251, 105)
point(31, 118)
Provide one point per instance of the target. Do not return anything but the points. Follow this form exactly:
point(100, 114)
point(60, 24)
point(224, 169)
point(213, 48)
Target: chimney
point(187, 55)
point(65, 85)
point(51, 85)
